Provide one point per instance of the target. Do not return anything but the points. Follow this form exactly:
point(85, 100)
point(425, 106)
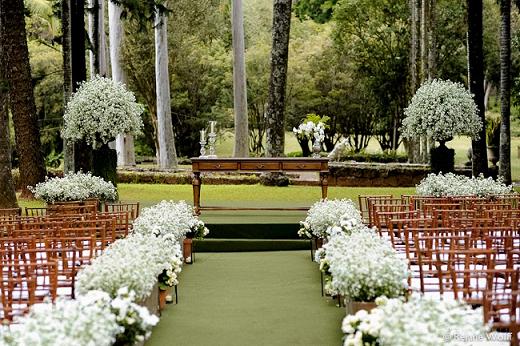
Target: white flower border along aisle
point(74, 187)
point(361, 266)
point(418, 321)
point(451, 185)
point(325, 214)
point(170, 220)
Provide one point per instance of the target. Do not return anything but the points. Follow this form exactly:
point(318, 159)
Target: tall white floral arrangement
point(441, 110)
point(100, 110)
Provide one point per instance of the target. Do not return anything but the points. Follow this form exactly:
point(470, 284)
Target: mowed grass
point(148, 194)
point(241, 196)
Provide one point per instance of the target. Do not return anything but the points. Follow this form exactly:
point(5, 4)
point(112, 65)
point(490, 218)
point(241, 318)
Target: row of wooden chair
point(40, 255)
point(457, 248)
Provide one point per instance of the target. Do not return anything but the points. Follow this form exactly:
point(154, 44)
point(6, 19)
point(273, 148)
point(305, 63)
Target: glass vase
point(316, 149)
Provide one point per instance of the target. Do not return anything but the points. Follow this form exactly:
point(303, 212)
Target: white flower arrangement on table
point(449, 184)
point(311, 130)
point(92, 319)
point(362, 265)
point(134, 262)
point(100, 110)
point(418, 321)
point(326, 214)
point(74, 187)
point(441, 110)
point(172, 219)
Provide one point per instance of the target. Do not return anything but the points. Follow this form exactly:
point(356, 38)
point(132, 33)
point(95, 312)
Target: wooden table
point(257, 164)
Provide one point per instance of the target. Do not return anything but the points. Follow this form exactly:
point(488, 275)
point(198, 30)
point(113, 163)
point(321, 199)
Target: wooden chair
point(35, 211)
point(25, 283)
point(131, 208)
point(363, 204)
point(10, 212)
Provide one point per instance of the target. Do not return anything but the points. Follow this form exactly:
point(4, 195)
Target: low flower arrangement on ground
point(362, 266)
point(449, 184)
point(418, 321)
point(74, 187)
point(171, 220)
point(92, 319)
point(325, 214)
point(134, 262)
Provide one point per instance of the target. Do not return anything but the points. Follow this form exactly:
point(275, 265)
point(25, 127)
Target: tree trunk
point(96, 25)
point(505, 91)
point(432, 52)
point(476, 81)
point(21, 96)
point(104, 164)
point(241, 148)
point(68, 147)
point(7, 192)
point(82, 151)
point(413, 145)
point(124, 143)
point(278, 79)
point(425, 16)
point(167, 154)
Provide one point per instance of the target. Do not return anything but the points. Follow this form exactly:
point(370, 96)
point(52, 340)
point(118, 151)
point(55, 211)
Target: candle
point(212, 126)
point(202, 135)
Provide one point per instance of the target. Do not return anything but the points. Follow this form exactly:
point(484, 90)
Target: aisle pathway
point(250, 298)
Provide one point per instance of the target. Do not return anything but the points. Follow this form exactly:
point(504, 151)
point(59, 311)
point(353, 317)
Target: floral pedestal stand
point(353, 307)
point(187, 250)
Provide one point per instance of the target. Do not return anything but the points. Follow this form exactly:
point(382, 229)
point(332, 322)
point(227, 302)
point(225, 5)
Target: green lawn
point(268, 298)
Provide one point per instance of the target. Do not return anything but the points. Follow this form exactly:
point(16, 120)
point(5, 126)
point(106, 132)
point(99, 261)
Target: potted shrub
point(97, 112)
point(442, 110)
point(493, 139)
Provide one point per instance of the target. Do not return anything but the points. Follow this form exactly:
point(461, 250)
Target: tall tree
point(68, 148)
point(414, 149)
point(279, 56)
point(124, 143)
point(505, 91)
point(96, 26)
point(476, 81)
point(82, 151)
point(7, 192)
point(21, 96)
point(167, 153)
point(241, 148)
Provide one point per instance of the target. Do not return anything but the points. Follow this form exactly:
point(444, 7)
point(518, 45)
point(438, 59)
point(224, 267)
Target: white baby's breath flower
point(442, 110)
point(74, 187)
point(100, 110)
point(449, 184)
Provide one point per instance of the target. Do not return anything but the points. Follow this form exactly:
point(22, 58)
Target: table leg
point(324, 184)
point(196, 182)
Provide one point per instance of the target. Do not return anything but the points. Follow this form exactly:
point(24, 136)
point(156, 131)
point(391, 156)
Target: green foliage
point(318, 10)
point(374, 36)
point(493, 131)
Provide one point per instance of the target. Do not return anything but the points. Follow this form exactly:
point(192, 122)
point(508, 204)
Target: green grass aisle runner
point(255, 298)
